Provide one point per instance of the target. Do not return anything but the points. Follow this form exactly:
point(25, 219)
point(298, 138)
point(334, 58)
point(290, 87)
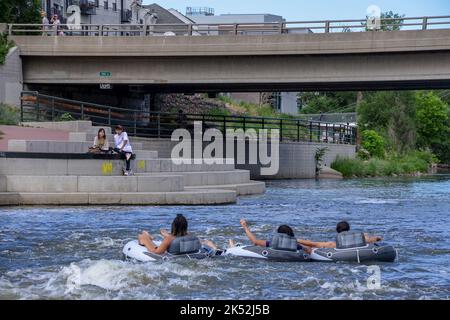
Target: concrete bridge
point(406, 59)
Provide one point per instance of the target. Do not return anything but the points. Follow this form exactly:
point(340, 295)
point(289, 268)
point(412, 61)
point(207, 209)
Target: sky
point(295, 10)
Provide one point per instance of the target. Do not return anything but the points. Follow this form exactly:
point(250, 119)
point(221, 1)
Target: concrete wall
point(296, 158)
point(11, 82)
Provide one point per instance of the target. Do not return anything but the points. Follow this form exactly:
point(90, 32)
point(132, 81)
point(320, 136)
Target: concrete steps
point(56, 146)
point(73, 184)
point(248, 188)
point(158, 181)
point(204, 178)
point(167, 165)
point(189, 197)
point(97, 167)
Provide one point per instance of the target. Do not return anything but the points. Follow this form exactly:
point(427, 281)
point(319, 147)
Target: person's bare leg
point(210, 244)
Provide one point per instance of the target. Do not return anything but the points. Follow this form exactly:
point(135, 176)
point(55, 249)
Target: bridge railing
point(143, 123)
point(290, 27)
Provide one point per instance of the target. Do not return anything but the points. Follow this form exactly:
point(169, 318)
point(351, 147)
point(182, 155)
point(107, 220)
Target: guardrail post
point(298, 130)
point(21, 107)
point(327, 26)
point(82, 111)
point(189, 29)
point(281, 27)
point(37, 108)
point(424, 23)
point(310, 131)
point(319, 129)
point(235, 29)
point(244, 123)
point(224, 122)
point(109, 116)
point(281, 129)
point(326, 132)
point(53, 109)
point(10, 29)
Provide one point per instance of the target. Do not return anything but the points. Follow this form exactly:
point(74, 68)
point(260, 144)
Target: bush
point(66, 117)
point(418, 161)
point(9, 115)
point(363, 154)
point(373, 143)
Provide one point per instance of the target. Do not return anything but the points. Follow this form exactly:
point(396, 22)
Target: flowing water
point(75, 253)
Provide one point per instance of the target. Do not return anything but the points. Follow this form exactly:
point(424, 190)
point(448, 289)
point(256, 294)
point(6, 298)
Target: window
point(114, 6)
point(105, 5)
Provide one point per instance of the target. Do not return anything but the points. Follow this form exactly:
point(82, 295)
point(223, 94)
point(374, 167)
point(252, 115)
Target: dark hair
point(104, 133)
point(119, 127)
point(342, 226)
point(179, 226)
point(286, 229)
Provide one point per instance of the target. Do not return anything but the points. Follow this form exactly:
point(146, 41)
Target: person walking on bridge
point(45, 23)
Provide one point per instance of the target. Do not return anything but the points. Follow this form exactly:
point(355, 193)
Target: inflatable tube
point(375, 252)
point(268, 253)
point(134, 251)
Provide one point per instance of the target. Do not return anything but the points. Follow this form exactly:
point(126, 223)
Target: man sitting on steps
point(123, 146)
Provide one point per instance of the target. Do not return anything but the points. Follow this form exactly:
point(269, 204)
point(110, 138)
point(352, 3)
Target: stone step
point(248, 188)
point(72, 126)
point(203, 178)
point(54, 146)
point(167, 165)
point(190, 197)
point(97, 167)
point(145, 154)
point(71, 184)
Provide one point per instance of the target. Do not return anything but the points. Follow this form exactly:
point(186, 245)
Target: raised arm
point(314, 244)
point(251, 236)
point(146, 240)
point(373, 239)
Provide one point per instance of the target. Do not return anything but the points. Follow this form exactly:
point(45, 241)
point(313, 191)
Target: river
point(75, 253)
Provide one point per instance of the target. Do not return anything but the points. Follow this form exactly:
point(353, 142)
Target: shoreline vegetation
point(414, 163)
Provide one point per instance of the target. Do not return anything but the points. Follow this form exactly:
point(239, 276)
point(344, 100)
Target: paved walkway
point(25, 133)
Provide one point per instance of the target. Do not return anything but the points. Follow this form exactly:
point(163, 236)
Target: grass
point(9, 115)
point(411, 163)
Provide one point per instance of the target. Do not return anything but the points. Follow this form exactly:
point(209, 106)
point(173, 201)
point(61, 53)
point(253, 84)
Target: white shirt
point(119, 139)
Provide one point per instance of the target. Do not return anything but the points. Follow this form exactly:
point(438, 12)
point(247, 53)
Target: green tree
point(373, 143)
point(20, 11)
point(316, 102)
point(433, 124)
point(391, 25)
point(5, 45)
point(392, 114)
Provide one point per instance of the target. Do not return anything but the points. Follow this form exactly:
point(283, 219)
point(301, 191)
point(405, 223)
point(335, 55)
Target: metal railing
point(142, 123)
point(291, 27)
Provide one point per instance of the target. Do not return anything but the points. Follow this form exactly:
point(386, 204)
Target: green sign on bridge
point(105, 74)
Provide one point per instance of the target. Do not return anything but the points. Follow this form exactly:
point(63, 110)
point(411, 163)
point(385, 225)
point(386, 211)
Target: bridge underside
point(374, 71)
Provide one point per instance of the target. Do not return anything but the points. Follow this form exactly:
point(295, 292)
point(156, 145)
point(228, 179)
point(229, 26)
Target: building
point(92, 11)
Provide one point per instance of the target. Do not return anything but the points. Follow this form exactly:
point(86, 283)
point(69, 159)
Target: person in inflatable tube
point(266, 243)
point(179, 229)
point(340, 227)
